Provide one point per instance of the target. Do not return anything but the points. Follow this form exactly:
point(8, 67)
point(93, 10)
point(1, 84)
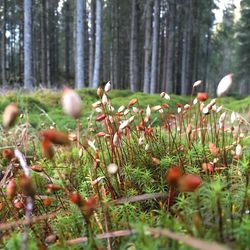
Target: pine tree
point(243, 35)
point(79, 57)
point(28, 79)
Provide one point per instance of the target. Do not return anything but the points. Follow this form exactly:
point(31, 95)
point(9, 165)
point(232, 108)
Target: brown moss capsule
point(89, 206)
point(202, 96)
point(189, 182)
point(18, 204)
point(208, 167)
point(50, 239)
point(26, 185)
point(47, 149)
point(47, 202)
point(56, 137)
point(100, 118)
point(53, 187)
point(132, 102)
point(76, 198)
point(213, 149)
point(100, 92)
point(173, 175)
point(8, 154)
point(9, 115)
point(11, 189)
point(36, 168)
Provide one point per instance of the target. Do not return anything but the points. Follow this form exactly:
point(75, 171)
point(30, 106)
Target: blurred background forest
point(142, 45)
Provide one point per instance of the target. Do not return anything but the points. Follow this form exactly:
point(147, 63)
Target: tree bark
point(48, 61)
point(79, 57)
point(97, 64)
point(180, 14)
point(91, 41)
point(21, 52)
point(133, 61)
point(186, 47)
point(43, 43)
point(170, 48)
point(114, 45)
point(153, 75)
point(28, 80)
point(147, 46)
point(67, 41)
point(3, 45)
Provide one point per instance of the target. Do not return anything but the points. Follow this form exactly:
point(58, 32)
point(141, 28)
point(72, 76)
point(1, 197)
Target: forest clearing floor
point(44, 106)
point(134, 171)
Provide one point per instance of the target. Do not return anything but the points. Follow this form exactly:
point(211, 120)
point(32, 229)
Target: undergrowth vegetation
point(129, 171)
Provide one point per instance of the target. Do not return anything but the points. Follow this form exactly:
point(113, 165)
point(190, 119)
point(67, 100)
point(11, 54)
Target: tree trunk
point(153, 76)
point(133, 61)
point(170, 48)
point(114, 45)
point(179, 48)
point(43, 43)
point(3, 45)
point(67, 41)
point(79, 57)
point(96, 75)
point(206, 63)
point(48, 74)
point(28, 80)
point(147, 46)
point(91, 41)
point(53, 41)
point(160, 86)
point(186, 69)
point(21, 52)
point(13, 52)
point(184, 64)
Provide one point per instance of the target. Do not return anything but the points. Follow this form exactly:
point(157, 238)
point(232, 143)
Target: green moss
point(240, 105)
point(140, 175)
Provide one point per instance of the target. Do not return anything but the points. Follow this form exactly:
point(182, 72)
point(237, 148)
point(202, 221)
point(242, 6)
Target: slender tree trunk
point(54, 42)
point(114, 52)
point(86, 44)
point(185, 81)
point(48, 72)
point(206, 60)
point(3, 45)
point(160, 86)
point(170, 48)
point(191, 45)
point(35, 48)
point(184, 65)
point(97, 64)
point(79, 57)
point(28, 80)
point(133, 61)
point(67, 41)
point(91, 41)
point(179, 48)
point(43, 43)
point(196, 52)
point(147, 46)
point(153, 76)
point(56, 53)
point(13, 52)
point(21, 52)
point(165, 50)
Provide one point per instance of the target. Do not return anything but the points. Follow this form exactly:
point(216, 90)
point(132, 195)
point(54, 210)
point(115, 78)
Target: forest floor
point(44, 106)
point(157, 173)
